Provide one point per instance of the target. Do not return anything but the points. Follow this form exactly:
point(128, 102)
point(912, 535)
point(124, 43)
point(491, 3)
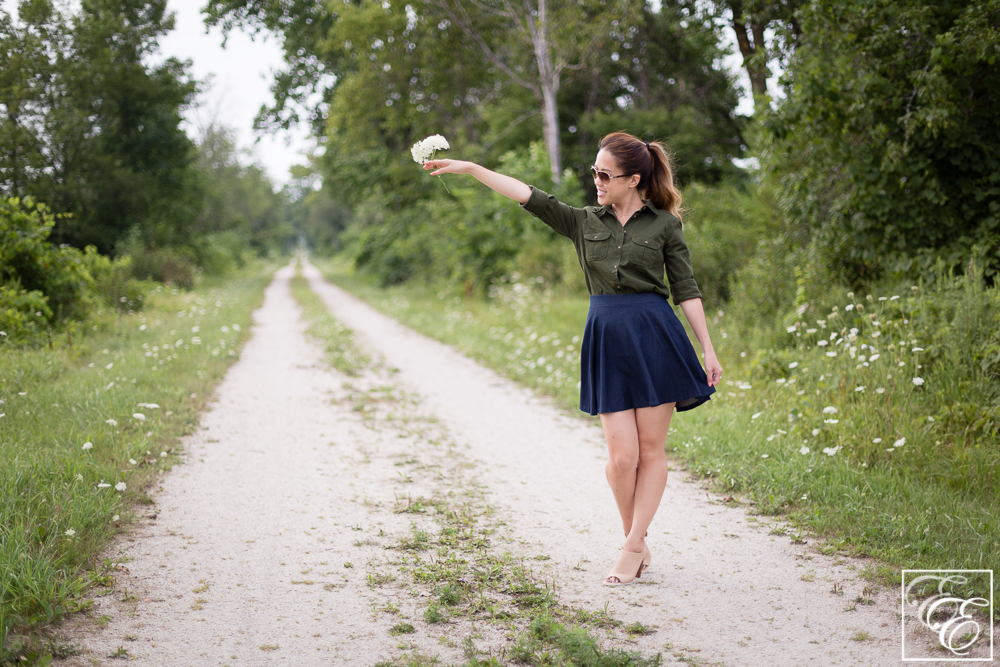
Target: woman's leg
point(637, 466)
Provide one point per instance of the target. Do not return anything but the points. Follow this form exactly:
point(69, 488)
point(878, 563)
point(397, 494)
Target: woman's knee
point(624, 460)
point(652, 453)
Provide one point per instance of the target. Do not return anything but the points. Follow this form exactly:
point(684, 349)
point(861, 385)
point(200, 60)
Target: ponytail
point(652, 161)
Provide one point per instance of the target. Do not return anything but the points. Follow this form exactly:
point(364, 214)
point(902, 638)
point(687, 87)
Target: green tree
point(889, 141)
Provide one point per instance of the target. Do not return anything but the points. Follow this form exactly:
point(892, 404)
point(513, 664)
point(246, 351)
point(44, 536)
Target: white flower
point(930, 419)
point(849, 307)
point(770, 438)
point(917, 349)
point(877, 440)
point(822, 343)
point(115, 518)
point(79, 477)
point(236, 327)
point(902, 363)
point(803, 450)
point(811, 331)
point(918, 381)
point(163, 454)
point(831, 354)
point(195, 329)
point(142, 328)
point(88, 445)
point(815, 431)
point(756, 414)
point(899, 443)
point(830, 451)
point(138, 415)
point(120, 486)
point(831, 421)
point(894, 297)
point(781, 380)
point(224, 329)
point(830, 410)
point(423, 150)
point(745, 386)
point(70, 532)
point(179, 342)
point(790, 329)
point(102, 485)
point(132, 461)
point(859, 389)
point(881, 298)
point(873, 357)
point(763, 456)
point(111, 421)
point(794, 364)
point(195, 341)
point(110, 365)
point(153, 406)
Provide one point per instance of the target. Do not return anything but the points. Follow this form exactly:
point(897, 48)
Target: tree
point(889, 141)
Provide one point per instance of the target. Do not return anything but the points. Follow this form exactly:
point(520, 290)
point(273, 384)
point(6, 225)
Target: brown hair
point(651, 160)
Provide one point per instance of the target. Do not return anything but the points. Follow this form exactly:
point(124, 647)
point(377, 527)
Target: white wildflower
point(138, 415)
point(902, 363)
point(859, 389)
point(224, 329)
point(831, 421)
point(831, 354)
point(893, 298)
point(763, 456)
point(918, 381)
point(790, 329)
point(899, 443)
point(830, 410)
point(794, 364)
point(873, 357)
point(803, 450)
point(830, 451)
point(111, 421)
point(195, 340)
point(811, 331)
point(79, 477)
point(877, 440)
point(423, 150)
point(917, 349)
point(236, 327)
point(822, 343)
point(756, 414)
point(195, 329)
point(115, 518)
point(102, 485)
point(849, 307)
point(132, 461)
point(109, 366)
point(815, 431)
point(70, 532)
point(88, 445)
point(163, 455)
point(120, 486)
point(153, 406)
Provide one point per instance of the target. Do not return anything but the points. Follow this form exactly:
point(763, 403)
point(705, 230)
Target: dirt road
point(272, 537)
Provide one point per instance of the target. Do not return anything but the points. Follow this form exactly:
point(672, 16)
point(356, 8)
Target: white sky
point(238, 80)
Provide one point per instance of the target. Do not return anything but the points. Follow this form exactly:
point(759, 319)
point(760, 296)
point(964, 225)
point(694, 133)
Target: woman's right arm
point(505, 185)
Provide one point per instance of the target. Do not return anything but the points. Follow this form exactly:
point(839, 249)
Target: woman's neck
point(623, 210)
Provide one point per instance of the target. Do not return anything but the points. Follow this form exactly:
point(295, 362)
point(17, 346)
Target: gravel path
point(268, 534)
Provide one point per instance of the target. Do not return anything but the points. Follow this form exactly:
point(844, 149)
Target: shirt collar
point(647, 203)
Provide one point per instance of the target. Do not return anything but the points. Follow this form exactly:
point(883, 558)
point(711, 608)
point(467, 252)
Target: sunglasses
point(603, 176)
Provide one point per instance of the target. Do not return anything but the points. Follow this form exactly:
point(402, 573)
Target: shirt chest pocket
point(596, 243)
point(645, 252)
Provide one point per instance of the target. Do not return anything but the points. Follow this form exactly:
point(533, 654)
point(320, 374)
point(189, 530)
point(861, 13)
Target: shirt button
point(619, 247)
point(615, 266)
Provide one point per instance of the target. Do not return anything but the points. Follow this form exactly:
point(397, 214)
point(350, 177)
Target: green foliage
point(41, 285)
point(888, 139)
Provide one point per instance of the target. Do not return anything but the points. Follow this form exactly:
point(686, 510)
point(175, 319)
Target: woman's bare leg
point(637, 466)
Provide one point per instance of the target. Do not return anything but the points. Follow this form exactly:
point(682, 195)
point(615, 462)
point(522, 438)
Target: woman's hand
point(713, 370)
point(449, 167)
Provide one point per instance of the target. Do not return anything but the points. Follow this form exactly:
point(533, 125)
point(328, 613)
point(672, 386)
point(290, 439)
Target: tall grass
point(872, 422)
point(84, 428)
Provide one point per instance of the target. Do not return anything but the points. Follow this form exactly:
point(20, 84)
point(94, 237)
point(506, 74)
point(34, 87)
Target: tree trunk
point(754, 54)
point(549, 80)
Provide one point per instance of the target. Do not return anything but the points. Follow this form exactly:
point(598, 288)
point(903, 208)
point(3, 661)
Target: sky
point(238, 79)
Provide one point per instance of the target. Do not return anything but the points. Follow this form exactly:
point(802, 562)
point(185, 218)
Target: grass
point(85, 429)
point(870, 425)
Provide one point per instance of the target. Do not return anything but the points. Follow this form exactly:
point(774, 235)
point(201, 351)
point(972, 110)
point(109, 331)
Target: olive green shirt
point(622, 259)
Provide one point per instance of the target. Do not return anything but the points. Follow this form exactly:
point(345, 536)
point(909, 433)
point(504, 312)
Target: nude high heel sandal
point(628, 568)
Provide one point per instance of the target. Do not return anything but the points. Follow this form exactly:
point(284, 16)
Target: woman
point(637, 364)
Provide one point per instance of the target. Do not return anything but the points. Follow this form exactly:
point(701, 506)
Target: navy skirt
point(636, 354)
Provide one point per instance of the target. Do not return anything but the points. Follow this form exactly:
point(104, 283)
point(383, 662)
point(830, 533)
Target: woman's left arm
point(695, 314)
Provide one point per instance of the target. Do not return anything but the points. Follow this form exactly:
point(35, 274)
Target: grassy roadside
point(85, 427)
point(455, 551)
point(854, 431)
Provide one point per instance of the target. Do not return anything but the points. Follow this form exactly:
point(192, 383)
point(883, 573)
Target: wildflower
point(830, 410)
point(88, 445)
point(876, 334)
point(917, 349)
point(180, 341)
point(930, 419)
point(142, 328)
point(79, 477)
point(195, 329)
point(756, 414)
point(236, 327)
point(849, 307)
point(859, 389)
point(899, 443)
point(822, 343)
point(224, 329)
point(830, 451)
point(831, 354)
point(881, 298)
point(745, 386)
point(424, 149)
point(763, 456)
point(132, 461)
point(831, 421)
point(811, 331)
point(877, 440)
point(850, 295)
point(793, 364)
point(918, 381)
point(815, 431)
point(770, 438)
point(138, 415)
point(153, 406)
point(790, 329)
point(70, 532)
point(163, 455)
point(902, 363)
point(803, 450)
point(115, 518)
point(120, 486)
point(102, 485)
point(781, 380)
point(894, 297)
point(874, 357)
point(111, 421)
point(195, 340)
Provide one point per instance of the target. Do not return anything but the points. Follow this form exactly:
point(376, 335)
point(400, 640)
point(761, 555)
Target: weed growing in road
point(338, 341)
point(85, 428)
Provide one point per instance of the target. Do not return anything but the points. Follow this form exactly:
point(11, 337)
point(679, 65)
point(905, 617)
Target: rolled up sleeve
point(564, 219)
point(677, 260)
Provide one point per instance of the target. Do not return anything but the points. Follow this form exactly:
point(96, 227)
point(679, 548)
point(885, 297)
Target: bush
point(41, 285)
point(114, 280)
point(172, 264)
